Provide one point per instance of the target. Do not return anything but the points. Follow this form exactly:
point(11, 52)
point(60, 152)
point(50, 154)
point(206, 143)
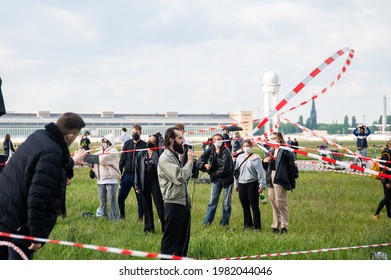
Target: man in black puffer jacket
point(32, 185)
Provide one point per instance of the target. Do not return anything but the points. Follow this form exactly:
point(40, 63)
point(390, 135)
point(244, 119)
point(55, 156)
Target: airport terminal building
point(198, 126)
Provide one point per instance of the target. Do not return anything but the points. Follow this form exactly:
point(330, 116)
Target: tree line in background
point(333, 128)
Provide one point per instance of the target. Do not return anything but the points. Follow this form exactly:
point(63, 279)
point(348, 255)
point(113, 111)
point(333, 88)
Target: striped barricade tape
point(16, 249)
point(97, 248)
point(303, 83)
point(326, 169)
point(324, 90)
point(319, 136)
point(308, 252)
point(350, 153)
point(330, 160)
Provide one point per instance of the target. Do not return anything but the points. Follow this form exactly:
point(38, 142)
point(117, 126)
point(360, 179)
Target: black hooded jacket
point(286, 170)
point(32, 185)
point(222, 165)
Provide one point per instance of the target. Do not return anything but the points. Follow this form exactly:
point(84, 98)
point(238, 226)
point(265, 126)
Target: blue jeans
point(217, 187)
point(127, 182)
point(104, 191)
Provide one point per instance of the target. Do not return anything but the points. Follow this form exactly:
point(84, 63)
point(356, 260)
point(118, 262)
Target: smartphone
point(91, 159)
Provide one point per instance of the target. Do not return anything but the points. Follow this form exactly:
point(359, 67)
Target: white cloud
point(156, 56)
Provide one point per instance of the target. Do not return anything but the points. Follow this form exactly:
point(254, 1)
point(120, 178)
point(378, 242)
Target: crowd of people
point(33, 183)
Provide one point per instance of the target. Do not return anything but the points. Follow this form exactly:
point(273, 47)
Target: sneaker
point(284, 230)
point(98, 212)
point(375, 217)
point(275, 230)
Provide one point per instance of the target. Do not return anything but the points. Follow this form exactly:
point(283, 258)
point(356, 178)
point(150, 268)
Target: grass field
point(326, 210)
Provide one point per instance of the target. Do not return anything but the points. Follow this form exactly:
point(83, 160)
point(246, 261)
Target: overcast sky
point(192, 56)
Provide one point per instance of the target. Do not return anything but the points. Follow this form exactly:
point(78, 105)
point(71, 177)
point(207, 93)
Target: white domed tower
point(270, 89)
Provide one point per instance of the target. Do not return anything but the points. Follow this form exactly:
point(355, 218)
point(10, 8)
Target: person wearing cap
point(107, 176)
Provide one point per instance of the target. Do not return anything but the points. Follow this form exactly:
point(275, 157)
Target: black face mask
point(135, 136)
point(151, 145)
point(178, 148)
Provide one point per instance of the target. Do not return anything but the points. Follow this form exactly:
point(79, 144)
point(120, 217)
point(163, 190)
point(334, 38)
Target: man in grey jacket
point(173, 184)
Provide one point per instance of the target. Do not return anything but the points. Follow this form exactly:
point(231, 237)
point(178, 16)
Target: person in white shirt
point(124, 137)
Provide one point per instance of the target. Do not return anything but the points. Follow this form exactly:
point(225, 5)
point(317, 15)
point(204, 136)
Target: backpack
point(376, 166)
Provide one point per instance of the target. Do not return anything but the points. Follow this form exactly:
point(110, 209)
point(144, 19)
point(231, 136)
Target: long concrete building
point(21, 125)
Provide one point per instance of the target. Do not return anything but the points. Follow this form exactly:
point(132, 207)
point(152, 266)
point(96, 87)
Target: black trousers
point(8, 253)
point(127, 182)
point(176, 236)
point(249, 198)
point(152, 190)
point(386, 201)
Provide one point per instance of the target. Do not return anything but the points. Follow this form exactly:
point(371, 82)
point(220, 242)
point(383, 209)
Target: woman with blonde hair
point(281, 176)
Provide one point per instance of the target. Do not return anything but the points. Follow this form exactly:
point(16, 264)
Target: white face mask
point(104, 146)
point(247, 150)
point(218, 143)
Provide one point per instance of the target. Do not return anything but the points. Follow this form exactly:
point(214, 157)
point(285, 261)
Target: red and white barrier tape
point(326, 169)
point(319, 136)
point(324, 90)
point(16, 249)
point(350, 153)
point(303, 83)
point(163, 256)
point(330, 160)
point(97, 248)
point(308, 252)
point(266, 134)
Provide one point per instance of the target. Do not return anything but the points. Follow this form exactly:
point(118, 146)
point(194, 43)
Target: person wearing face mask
point(146, 182)
point(281, 176)
point(107, 177)
point(217, 162)
point(127, 169)
point(250, 183)
point(173, 179)
point(33, 183)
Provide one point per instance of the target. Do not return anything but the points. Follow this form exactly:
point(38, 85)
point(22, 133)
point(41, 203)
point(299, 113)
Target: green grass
point(326, 210)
